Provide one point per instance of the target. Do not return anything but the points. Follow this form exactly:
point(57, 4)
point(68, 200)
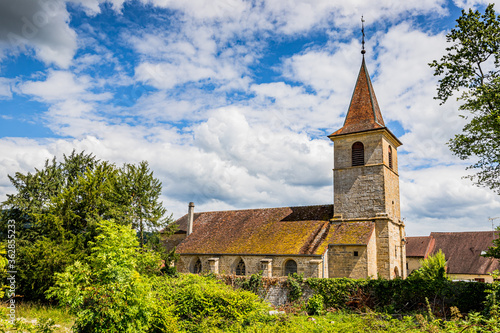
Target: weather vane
point(363, 32)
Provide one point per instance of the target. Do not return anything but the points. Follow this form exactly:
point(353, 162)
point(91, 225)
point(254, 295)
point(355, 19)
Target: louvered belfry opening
point(358, 154)
point(390, 157)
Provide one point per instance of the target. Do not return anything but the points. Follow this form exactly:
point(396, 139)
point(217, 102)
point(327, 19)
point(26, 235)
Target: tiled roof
point(462, 251)
point(286, 230)
point(364, 113)
point(419, 246)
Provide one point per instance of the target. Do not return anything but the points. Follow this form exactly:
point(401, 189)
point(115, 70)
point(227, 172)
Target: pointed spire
point(364, 113)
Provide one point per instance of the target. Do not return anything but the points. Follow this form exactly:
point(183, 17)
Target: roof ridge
point(248, 209)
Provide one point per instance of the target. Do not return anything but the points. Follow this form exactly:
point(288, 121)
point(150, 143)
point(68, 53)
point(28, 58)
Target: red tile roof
point(462, 250)
point(364, 113)
point(286, 231)
point(419, 246)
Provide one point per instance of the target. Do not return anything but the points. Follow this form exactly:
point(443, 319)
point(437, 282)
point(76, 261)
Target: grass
point(340, 321)
point(33, 311)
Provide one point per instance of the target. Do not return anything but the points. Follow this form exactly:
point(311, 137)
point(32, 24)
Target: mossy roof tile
point(285, 230)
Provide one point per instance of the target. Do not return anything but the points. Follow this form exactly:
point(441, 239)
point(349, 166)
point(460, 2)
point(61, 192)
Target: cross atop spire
point(363, 33)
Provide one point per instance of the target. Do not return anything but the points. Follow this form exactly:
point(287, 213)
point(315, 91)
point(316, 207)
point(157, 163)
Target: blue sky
point(230, 101)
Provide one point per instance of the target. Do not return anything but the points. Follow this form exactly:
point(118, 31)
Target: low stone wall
point(274, 290)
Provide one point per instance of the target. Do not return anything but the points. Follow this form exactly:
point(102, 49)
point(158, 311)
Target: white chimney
point(190, 218)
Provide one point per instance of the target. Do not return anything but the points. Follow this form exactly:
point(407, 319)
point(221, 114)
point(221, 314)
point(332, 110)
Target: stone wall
point(270, 266)
point(350, 261)
point(274, 291)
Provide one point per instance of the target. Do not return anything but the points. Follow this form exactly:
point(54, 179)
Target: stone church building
point(360, 235)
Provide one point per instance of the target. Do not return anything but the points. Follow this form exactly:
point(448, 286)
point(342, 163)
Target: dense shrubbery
point(196, 303)
point(108, 292)
point(401, 296)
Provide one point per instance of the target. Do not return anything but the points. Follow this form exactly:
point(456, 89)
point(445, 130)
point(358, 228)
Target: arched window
point(290, 267)
point(358, 154)
point(197, 267)
point(390, 157)
point(240, 268)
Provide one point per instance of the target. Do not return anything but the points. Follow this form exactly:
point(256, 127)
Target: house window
point(240, 268)
point(390, 157)
point(290, 267)
point(479, 279)
point(356, 253)
point(358, 154)
point(197, 267)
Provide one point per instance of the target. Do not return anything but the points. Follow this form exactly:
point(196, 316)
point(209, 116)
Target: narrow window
point(390, 157)
point(240, 268)
point(358, 154)
point(197, 267)
point(290, 267)
point(356, 253)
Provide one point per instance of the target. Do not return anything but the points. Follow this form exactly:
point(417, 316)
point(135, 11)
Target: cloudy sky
point(231, 101)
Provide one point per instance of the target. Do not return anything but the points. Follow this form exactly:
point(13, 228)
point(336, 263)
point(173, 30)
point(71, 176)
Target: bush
point(194, 303)
point(105, 292)
point(315, 305)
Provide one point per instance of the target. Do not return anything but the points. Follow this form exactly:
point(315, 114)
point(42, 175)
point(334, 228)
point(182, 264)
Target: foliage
point(493, 298)
point(431, 268)
point(494, 251)
point(196, 303)
point(140, 193)
point(253, 284)
point(315, 305)
point(57, 208)
point(337, 292)
point(42, 325)
point(3, 270)
point(105, 292)
point(471, 67)
point(294, 284)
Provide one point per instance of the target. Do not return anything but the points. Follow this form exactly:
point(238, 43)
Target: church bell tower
point(366, 179)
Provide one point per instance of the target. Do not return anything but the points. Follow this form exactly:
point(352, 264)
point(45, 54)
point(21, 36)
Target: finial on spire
point(363, 32)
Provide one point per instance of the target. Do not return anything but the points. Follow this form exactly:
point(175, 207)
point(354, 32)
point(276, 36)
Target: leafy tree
point(57, 209)
point(140, 192)
point(494, 251)
point(432, 268)
point(471, 67)
point(105, 291)
point(3, 270)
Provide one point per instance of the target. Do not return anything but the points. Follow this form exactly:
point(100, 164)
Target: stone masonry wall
point(342, 261)
point(309, 266)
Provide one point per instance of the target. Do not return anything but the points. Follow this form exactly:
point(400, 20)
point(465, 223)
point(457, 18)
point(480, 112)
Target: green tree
point(494, 251)
point(105, 291)
point(140, 192)
point(56, 210)
point(431, 268)
point(471, 68)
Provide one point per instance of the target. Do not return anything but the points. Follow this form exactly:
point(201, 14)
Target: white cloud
point(474, 4)
point(61, 86)
point(439, 199)
point(42, 25)
point(5, 88)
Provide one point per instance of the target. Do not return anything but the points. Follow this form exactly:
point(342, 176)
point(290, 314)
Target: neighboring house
point(462, 251)
point(360, 235)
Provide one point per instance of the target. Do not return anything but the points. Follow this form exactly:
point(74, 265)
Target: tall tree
point(57, 209)
point(140, 192)
point(471, 68)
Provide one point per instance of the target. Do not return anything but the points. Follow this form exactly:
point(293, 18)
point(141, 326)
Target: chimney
point(190, 218)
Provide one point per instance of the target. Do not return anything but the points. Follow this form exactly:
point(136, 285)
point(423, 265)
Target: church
point(360, 235)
